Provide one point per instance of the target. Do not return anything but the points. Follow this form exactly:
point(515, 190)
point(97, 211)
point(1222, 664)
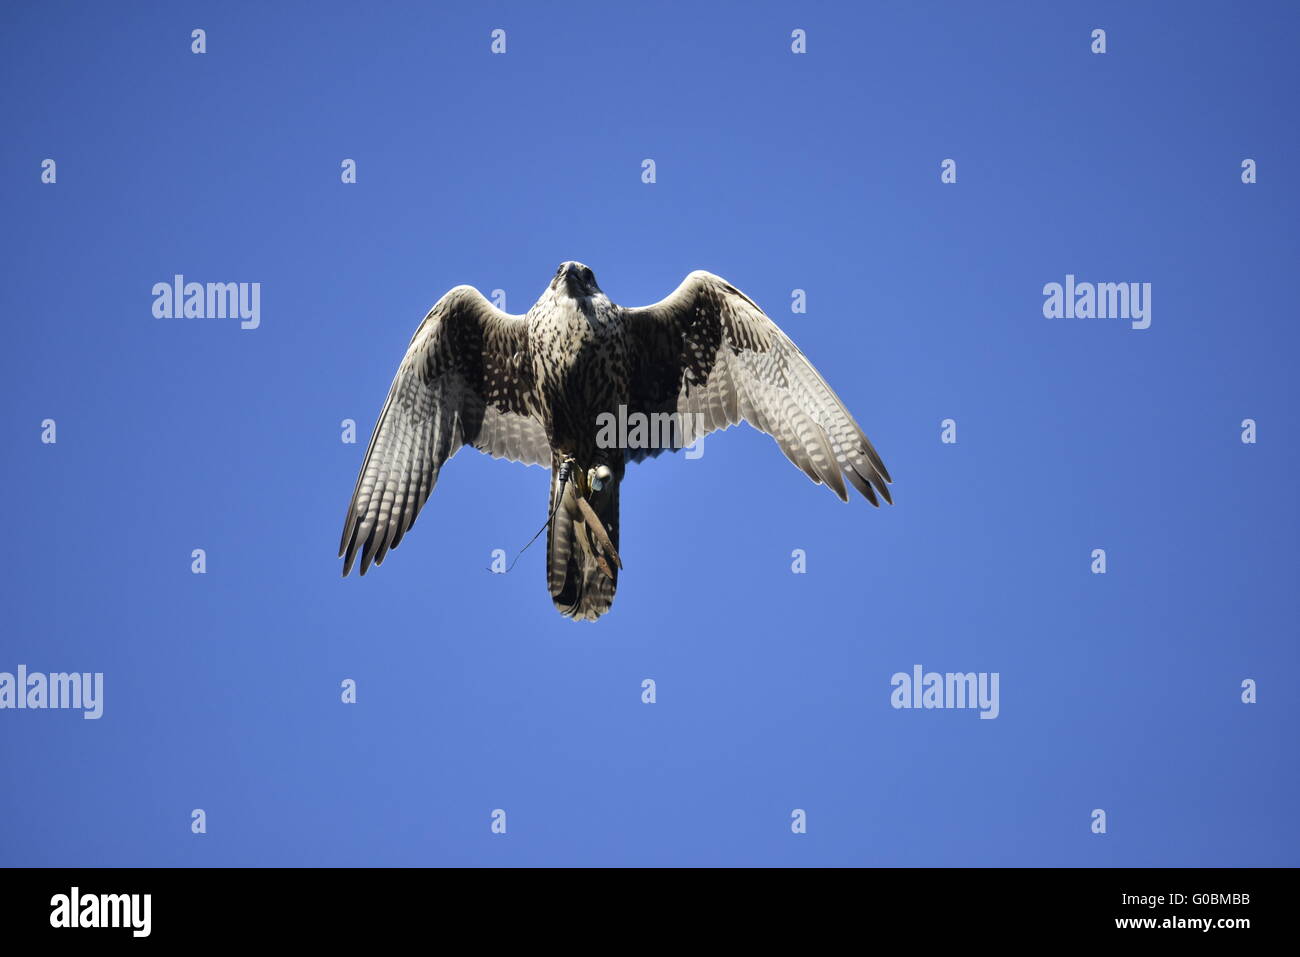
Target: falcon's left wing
point(708, 349)
point(465, 380)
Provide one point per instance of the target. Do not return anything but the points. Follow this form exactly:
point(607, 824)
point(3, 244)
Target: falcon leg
point(593, 538)
point(602, 537)
point(566, 473)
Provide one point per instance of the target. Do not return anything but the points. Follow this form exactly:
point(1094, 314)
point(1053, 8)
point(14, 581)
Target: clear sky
point(779, 171)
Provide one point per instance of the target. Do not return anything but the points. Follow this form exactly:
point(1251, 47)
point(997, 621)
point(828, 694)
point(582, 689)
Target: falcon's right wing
point(465, 380)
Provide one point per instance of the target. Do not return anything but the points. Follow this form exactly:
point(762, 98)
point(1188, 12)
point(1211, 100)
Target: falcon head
point(576, 280)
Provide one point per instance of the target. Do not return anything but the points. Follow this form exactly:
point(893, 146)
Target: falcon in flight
point(545, 389)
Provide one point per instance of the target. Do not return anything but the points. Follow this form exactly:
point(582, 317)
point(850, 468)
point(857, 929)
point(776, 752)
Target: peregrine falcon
point(549, 387)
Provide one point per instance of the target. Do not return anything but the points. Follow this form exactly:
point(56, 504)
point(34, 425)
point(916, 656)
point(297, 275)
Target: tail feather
point(580, 587)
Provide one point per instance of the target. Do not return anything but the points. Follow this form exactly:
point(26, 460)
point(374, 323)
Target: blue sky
point(777, 171)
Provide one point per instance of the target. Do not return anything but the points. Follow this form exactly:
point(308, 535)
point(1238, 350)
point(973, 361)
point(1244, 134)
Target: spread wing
point(465, 380)
point(708, 349)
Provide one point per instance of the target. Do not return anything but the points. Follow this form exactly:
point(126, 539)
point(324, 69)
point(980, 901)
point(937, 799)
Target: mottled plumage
point(531, 388)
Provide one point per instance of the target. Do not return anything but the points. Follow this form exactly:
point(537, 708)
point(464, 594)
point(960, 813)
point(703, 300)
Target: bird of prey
point(542, 388)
